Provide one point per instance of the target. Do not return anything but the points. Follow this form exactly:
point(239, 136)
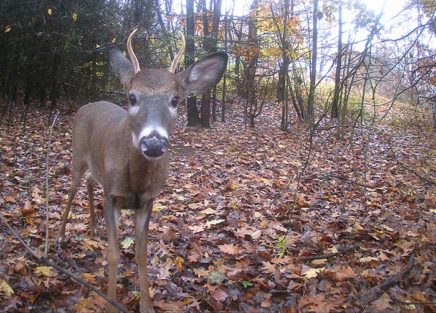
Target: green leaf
point(247, 284)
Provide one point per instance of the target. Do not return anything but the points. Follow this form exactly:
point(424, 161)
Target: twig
point(428, 180)
point(329, 255)
point(43, 260)
point(332, 175)
point(46, 185)
point(413, 302)
point(374, 293)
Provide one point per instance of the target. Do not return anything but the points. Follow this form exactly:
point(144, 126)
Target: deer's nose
point(153, 146)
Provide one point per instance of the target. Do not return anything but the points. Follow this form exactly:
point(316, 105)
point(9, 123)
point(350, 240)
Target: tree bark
point(223, 98)
point(56, 72)
point(250, 70)
point(310, 100)
point(338, 84)
point(191, 102)
point(210, 46)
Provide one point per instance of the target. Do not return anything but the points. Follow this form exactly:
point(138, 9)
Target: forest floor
point(250, 221)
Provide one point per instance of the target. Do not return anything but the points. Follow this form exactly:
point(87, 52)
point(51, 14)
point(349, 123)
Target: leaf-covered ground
point(250, 221)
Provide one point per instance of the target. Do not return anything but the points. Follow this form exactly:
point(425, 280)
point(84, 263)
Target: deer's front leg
point(113, 251)
point(141, 233)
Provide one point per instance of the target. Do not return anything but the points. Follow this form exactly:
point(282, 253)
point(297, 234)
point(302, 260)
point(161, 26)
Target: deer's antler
point(132, 55)
point(179, 54)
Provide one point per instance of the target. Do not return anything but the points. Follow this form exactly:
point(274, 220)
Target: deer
point(127, 151)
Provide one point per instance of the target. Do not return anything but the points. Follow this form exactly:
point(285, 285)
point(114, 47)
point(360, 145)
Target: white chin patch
point(134, 110)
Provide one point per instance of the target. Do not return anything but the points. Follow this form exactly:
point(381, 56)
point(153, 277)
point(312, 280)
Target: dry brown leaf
point(196, 229)
point(340, 273)
point(229, 249)
point(219, 295)
point(382, 303)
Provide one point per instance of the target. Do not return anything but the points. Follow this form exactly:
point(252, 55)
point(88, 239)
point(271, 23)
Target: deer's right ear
point(121, 66)
point(203, 75)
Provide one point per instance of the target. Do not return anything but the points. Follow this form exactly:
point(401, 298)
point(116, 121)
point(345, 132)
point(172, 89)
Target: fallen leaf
point(179, 263)
point(229, 248)
point(5, 288)
point(219, 295)
point(382, 303)
point(214, 222)
point(309, 272)
point(196, 229)
point(90, 278)
point(340, 273)
point(44, 271)
point(127, 242)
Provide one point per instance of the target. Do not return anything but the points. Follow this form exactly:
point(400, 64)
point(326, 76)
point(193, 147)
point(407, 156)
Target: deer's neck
point(145, 177)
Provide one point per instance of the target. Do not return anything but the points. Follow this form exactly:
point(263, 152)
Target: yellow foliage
point(5, 288)
point(44, 271)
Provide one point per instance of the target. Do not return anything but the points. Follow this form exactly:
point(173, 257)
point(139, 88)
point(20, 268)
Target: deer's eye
point(132, 99)
point(175, 101)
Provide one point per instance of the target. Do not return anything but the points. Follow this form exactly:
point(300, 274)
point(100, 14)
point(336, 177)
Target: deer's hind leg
point(77, 177)
point(90, 183)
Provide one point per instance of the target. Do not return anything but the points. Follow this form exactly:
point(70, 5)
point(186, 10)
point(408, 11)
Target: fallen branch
point(427, 180)
point(366, 297)
point(47, 186)
point(413, 302)
point(407, 168)
point(329, 255)
point(43, 260)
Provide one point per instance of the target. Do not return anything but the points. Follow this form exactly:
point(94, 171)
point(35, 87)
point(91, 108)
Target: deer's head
point(154, 94)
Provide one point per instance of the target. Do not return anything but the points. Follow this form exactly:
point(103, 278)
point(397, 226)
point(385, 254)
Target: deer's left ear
point(204, 74)
point(121, 66)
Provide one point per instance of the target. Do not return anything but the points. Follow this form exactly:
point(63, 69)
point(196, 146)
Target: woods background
point(343, 57)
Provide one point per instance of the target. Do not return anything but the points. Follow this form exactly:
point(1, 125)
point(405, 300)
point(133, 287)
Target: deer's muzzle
point(153, 146)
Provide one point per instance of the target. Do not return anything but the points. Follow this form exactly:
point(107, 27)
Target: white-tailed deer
point(127, 151)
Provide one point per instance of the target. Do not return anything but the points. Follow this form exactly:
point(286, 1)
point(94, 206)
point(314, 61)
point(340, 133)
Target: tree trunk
point(210, 46)
point(223, 98)
point(205, 110)
point(94, 77)
point(250, 70)
point(163, 28)
point(338, 85)
point(191, 102)
point(144, 17)
point(56, 72)
point(310, 100)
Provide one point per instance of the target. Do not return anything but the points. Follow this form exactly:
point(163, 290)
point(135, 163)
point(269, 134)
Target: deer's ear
point(204, 74)
point(121, 66)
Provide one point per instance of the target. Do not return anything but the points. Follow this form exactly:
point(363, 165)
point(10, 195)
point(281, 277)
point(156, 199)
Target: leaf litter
point(232, 228)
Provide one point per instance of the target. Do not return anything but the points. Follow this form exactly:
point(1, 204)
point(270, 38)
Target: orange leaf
point(229, 248)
